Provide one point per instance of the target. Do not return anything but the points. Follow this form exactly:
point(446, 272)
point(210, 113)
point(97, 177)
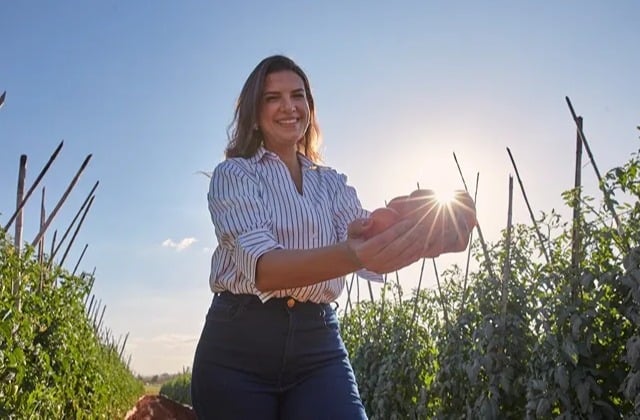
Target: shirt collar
point(262, 152)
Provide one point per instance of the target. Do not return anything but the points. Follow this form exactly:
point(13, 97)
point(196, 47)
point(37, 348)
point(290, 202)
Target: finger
point(382, 249)
point(402, 251)
point(358, 228)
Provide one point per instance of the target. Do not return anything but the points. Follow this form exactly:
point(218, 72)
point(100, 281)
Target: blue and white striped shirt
point(255, 208)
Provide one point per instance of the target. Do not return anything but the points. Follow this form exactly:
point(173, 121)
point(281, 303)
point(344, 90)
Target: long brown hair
point(244, 139)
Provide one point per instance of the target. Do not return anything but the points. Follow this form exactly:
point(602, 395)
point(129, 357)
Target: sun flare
point(444, 197)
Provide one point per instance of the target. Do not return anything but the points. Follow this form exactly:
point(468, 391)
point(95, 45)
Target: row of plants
point(178, 388)
point(54, 361)
point(554, 332)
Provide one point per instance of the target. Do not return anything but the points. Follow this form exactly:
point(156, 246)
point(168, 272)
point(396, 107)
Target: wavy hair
point(244, 140)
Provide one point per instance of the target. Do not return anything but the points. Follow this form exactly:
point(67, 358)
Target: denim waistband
point(280, 302)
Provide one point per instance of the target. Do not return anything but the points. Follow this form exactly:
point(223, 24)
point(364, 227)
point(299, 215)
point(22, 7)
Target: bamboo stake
point(382, 295)
point(33, 187)
point(116, 344)
point(607, 196)
point(41, 243)
point(66, 232)
point(53, 241)
point(444, 308)
point(104, 308)
point(399, 288)
point(480, 236)
point(90, 304)
point(62, 199)
point(95, 313)
point(22, 173)
point(42, 218)
point(577, 184)
point(466, 268)
point(506, 273)
point(91, 281)
point(526, 200)
point(75, 233)
point(506, 269)
point(357, 290)
point(349, 285)
point(124, 343)
point(415, 302)
point(79, 259)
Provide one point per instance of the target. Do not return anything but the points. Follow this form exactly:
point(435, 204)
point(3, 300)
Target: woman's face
point(284, 111)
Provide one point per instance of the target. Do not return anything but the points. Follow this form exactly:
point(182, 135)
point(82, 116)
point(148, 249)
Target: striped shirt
point(255, 208)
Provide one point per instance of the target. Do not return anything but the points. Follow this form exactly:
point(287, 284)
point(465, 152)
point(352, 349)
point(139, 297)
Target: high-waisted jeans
point(278, 360)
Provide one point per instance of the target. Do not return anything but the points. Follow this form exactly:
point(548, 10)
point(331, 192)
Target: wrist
point(352, 256)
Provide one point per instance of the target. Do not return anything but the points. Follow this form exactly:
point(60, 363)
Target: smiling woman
point(289, 231)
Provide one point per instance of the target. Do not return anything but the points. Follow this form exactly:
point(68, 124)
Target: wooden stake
point(577, 185)
point(62, 200)
point(22, 173)
point(526, 200)
point(75, 233)
point(485, 251)
point(66, 232)
point(33, 187)
point(607, 196)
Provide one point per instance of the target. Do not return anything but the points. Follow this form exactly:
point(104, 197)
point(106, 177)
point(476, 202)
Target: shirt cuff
point(370, 275)
point(251, 246)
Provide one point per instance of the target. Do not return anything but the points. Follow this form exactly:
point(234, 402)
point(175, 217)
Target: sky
point(148, 89)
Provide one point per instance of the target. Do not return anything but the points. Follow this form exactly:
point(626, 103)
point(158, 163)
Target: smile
point(287, 122)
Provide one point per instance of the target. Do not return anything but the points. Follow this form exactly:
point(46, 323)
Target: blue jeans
point(278, 360)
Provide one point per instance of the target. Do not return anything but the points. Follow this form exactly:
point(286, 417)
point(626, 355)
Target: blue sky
point(148, 88)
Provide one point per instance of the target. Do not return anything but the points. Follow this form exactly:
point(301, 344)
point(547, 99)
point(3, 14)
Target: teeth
point(291, 121)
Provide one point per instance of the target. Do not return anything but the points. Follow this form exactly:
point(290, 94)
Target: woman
point(288, 232)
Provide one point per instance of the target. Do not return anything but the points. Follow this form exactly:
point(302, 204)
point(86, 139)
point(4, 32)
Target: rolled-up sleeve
point(242, 221)
point(346, 209)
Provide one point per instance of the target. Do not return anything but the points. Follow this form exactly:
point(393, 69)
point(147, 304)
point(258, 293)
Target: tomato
point(464, 208)
point(422, 193)
point(382, 219)
point(401, 204)
point(446, 226)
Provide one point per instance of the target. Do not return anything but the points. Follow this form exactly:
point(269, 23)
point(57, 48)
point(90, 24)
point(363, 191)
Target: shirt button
point(291, 302)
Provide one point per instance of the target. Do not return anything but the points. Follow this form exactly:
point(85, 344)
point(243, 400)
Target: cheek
point(267, 110)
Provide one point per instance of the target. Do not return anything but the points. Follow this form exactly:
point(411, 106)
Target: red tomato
point(401, 204)
point(465, 208)
point(422, 193)
point(382, 219)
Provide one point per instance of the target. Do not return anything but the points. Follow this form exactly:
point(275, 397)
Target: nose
point(287, 105)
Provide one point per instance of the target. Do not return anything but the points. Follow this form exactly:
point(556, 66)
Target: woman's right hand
point(396, 247)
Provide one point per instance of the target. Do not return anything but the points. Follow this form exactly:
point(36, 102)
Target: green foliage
point(53, 363)
point(392, 353)
point(556, 338)
point(178, 388)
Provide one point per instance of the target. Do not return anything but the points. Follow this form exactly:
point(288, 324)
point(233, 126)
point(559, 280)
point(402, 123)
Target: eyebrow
point(275, 92)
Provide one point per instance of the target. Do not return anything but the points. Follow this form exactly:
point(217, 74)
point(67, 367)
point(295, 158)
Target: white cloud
point(168, 352)
point(179, 246)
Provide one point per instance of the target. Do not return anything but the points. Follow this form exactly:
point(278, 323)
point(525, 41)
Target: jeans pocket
point(224, 309)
